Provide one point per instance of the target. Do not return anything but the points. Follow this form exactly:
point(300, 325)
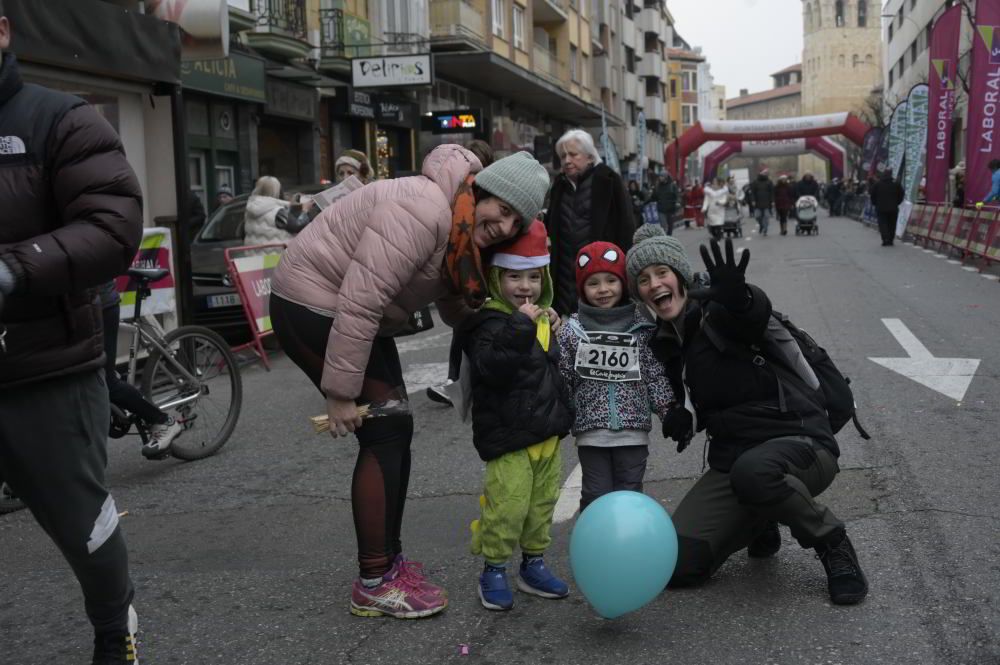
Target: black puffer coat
point(71, 220)
point(518, 398)
point(611, 220)
point(736, 400)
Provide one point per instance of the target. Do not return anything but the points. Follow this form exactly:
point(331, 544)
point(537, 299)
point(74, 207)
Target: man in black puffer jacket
point(71, 220)
point(520, 410)
point(771, 447)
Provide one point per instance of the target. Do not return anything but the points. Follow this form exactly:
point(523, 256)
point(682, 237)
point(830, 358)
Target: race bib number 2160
point(608, 357)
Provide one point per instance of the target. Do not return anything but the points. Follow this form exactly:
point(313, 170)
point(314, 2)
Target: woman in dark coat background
point(784, 201)
point(588, 202)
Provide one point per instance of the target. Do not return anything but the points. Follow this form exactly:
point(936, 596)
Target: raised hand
point(531, 310)
point(729, 283)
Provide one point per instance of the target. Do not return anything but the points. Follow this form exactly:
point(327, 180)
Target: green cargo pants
point(520, 494)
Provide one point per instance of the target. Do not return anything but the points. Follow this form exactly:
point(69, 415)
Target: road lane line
point(569, 497)
point(423, 343)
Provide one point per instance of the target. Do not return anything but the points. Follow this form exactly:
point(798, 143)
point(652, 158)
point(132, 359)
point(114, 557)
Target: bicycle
point(189, 370)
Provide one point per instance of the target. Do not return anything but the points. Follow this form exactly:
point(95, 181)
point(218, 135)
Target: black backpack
point(836, 387)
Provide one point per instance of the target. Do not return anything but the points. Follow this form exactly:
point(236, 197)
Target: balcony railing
point(546, 64)
point(456, 20)
point(283, 15)
point(331, 32)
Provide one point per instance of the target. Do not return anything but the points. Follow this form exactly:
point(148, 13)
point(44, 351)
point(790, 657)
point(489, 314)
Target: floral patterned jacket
point(615, 406)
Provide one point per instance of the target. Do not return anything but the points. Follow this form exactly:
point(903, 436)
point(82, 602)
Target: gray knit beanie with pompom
point(652, 246)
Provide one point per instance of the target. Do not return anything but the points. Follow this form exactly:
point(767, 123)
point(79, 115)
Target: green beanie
point(652, 247)
point(520, 181)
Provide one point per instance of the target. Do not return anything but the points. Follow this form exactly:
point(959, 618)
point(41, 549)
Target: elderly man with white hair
point(588, 202)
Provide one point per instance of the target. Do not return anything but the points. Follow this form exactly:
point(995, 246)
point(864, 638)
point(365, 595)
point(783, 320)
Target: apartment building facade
point(906, 32)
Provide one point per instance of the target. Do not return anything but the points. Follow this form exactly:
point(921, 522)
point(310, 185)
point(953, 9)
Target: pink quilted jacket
point(373, 258)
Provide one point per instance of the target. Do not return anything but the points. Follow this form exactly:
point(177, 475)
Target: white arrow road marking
point(569, 497)
point(434, 341)
point(949, 376)
point(420, 375)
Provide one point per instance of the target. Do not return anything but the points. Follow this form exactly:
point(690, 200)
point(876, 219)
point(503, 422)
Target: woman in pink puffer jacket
point(351, 278)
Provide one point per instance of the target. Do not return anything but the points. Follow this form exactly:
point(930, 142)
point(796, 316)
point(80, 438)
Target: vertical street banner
point(916, 139)
point(981, 135)
point(869, 150)
point(881, 161)
point(641, 147)
point(897, 139)
point(154, 252)
point(941, 106)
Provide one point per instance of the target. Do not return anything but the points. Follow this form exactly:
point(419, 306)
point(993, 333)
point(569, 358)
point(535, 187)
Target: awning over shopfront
point(496, 75)
point(75, 35)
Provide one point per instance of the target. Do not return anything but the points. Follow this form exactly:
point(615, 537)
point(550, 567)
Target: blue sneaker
point(535, 578)
point(494, 592)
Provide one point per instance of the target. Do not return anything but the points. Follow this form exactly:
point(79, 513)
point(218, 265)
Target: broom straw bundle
point(322, 423)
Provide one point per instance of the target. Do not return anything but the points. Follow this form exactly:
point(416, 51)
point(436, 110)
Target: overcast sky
point(745, 40)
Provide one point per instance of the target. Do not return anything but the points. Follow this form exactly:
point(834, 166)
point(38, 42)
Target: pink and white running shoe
point(414, 570)
point(400, 595)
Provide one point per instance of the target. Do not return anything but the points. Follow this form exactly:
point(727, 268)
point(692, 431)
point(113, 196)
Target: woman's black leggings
point(382, 471)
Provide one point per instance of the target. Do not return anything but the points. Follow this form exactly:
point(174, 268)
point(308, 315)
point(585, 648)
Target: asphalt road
point(247, 557)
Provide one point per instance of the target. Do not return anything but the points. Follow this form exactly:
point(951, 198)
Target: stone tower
point(841, 59)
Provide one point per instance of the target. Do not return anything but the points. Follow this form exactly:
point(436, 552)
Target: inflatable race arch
point(773, 129)
point(821, 146)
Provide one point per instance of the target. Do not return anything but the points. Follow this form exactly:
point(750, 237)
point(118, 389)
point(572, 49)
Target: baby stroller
point(806, 209)
point(732, 223)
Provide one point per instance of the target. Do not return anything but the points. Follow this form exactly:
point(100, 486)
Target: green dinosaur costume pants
point(521, 491)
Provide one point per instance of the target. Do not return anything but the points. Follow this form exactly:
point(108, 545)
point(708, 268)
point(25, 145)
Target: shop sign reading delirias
point(392, 71)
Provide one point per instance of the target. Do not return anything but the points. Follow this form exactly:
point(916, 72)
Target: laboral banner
point(254, 280)
point(943, 77)
point(897, 139)
point(869, 149)
point(916, 139)
point(154, 252)
point(981, 135)
point(881, 161)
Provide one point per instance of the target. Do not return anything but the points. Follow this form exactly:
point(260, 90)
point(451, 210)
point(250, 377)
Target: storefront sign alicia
point(238, 76)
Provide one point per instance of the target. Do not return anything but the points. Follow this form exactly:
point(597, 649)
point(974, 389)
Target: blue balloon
point(623, 551)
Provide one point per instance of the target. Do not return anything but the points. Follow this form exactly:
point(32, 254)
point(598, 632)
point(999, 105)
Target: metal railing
point(331, 32)
point(285, 15)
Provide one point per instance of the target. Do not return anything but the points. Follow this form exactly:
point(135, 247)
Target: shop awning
point(96, 37)
point(493, 74)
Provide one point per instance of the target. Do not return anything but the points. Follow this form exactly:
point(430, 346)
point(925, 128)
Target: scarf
point(620, 318)
point(463, 264)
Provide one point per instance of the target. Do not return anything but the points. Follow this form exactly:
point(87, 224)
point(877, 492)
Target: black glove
point(679, 426)
point(729, 282)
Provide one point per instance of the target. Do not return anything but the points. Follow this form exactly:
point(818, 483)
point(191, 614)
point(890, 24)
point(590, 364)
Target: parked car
point(216, 302)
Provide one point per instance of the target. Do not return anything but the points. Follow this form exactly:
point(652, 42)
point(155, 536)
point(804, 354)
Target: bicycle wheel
point(214, 400)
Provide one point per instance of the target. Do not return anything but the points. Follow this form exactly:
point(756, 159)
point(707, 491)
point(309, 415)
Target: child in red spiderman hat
point(615, 382)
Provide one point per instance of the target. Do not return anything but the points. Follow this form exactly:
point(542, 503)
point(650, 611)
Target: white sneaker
point(160, 438)
point(438, 393)
point(118, 647)
point(8, 500)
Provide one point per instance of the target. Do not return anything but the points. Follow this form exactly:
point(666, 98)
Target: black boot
point(766, 544)
point(845, 579)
